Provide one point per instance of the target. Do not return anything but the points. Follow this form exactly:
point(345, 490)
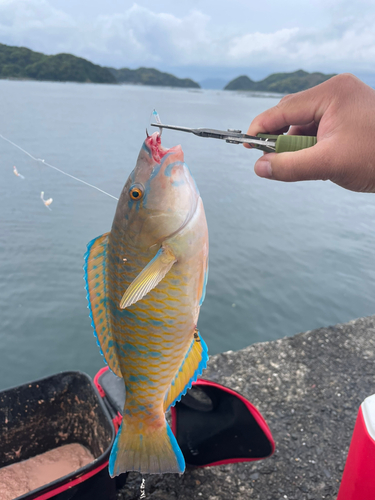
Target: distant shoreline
point(256, 93)
point(21, 63)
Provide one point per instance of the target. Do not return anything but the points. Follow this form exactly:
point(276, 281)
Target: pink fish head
point(159, 197)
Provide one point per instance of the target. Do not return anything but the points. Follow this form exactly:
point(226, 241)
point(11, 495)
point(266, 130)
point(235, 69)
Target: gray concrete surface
point(308, 388)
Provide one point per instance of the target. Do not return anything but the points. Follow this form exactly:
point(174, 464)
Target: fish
point(146, 281)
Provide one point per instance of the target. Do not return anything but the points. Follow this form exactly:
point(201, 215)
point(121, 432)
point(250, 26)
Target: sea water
point(284, 258)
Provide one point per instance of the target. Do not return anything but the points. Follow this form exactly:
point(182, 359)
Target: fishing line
point(55, 168)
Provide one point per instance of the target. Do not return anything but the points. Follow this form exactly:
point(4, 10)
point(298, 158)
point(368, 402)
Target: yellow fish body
point(146, 280)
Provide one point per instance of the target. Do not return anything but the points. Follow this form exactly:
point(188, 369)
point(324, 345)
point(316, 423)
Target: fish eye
point(136, 192)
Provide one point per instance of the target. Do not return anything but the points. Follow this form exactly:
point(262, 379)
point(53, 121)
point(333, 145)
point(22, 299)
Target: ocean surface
point(284, 258)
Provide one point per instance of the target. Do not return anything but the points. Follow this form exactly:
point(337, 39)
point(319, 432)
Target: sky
point(201, 38)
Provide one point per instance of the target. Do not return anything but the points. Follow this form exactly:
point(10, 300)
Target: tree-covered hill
point(279, 82)
point(151, 76)
point(19, 62)
point(23, 63)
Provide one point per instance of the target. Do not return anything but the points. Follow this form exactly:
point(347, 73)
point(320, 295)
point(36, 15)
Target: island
point(283, 83)
point(151, 76)
point(23, 63)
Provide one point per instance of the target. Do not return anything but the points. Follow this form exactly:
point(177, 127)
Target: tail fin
point(154, 451)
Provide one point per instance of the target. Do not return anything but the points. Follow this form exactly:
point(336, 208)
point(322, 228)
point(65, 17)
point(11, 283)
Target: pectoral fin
point(151, 275)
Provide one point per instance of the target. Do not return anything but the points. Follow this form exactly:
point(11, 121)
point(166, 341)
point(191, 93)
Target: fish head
point(159, 197)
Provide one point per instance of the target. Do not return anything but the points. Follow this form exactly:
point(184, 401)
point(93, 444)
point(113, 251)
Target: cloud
point(258, 44)
point(139, 36)
point(35, 24)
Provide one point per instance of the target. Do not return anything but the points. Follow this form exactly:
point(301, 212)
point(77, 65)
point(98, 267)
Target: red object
point(358, 480)
point(116, 418)
point(96, 380)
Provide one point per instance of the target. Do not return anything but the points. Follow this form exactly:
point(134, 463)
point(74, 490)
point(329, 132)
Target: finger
point(308, 164)
point(275, 132)
point(309, 129)
point(281, 130)
point(301, 108)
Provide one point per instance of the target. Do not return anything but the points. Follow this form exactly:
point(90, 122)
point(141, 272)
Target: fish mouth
point(157, 151)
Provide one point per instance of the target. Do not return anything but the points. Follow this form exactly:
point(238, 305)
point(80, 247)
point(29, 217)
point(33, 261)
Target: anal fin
point(191, 368)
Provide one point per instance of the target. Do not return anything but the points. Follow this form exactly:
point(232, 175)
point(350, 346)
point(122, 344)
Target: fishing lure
point(17, 173)
point(48, 202)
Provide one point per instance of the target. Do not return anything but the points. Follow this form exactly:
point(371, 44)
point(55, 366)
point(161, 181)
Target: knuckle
point(282, 110)
point(346, 81)
point(284, 100)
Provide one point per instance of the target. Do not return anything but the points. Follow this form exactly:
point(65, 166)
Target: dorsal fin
point(192, 366)
point(95, 277)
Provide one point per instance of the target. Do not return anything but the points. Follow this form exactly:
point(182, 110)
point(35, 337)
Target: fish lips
point(170, 199)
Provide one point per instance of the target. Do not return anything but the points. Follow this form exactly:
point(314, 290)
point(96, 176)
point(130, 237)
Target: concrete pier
point(308, 388)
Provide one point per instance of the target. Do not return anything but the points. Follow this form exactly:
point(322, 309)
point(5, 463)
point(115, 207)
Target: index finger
point(301, 108)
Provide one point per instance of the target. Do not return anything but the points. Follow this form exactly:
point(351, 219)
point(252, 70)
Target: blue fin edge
point(85, 277)
point(202, 365)
point(204, 286)
point(114, 451)
point(176, 449)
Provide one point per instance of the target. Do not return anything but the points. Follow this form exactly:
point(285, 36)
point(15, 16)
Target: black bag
point(213, 424)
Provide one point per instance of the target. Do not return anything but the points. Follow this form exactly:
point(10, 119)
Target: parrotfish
point(146, 280)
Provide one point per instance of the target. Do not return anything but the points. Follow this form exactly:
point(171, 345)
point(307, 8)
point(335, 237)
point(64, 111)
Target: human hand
point(341, 113)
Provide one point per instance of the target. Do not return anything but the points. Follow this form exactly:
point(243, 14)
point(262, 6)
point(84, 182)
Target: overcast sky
point(199, 38)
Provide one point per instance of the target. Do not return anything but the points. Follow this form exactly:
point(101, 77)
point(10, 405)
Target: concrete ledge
point(308, 388)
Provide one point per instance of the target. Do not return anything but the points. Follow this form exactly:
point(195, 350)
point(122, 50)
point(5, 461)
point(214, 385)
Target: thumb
point(307, 164)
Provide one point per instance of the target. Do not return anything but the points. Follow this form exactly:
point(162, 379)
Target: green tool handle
point(286, 143)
